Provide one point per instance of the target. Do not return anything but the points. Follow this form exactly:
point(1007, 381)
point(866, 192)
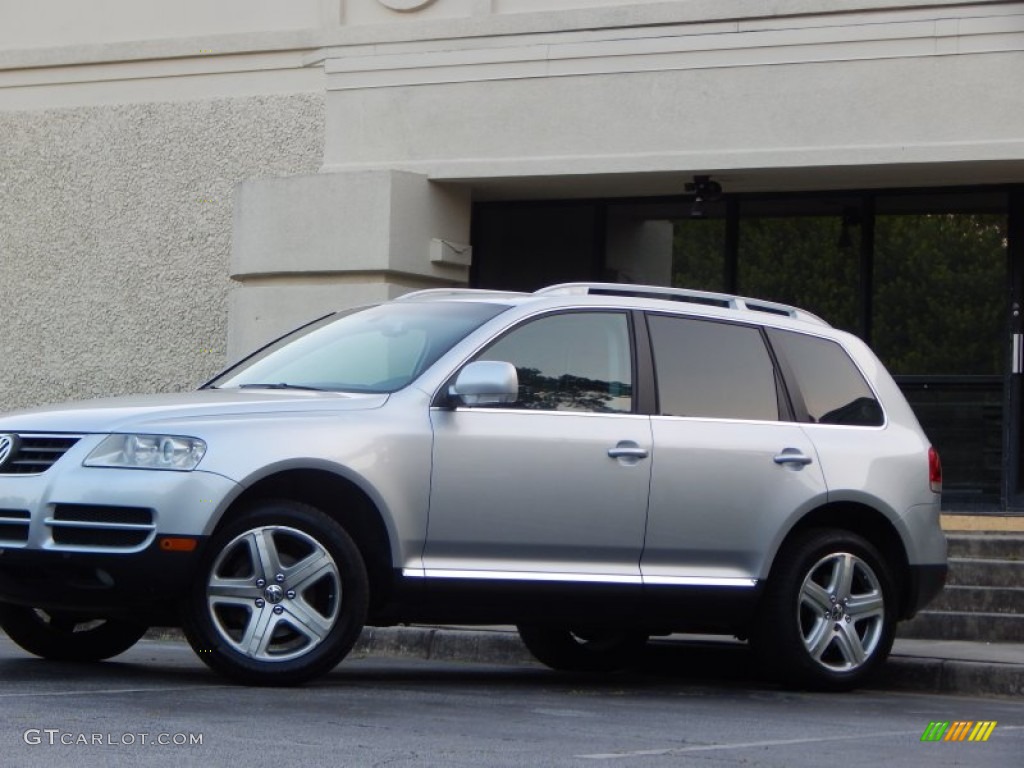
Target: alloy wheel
point(274, 593)
point(841, 612)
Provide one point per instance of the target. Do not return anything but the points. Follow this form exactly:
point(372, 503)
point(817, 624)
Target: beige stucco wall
point(115, 231)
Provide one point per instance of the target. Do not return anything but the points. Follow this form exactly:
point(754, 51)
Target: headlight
point(148, 452)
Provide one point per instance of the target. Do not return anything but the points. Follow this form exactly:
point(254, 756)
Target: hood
point(133, 413)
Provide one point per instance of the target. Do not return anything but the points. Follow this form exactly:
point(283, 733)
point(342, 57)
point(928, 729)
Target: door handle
point(793, 457)
point(627, 449)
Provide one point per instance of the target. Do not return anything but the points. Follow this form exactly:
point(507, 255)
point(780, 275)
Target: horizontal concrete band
point(716, 46)
point(335, 30)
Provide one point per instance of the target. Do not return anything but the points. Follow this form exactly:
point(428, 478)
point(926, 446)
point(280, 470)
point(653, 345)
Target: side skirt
point(662, 609)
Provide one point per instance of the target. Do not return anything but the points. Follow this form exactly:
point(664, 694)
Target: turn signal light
point(177, 544)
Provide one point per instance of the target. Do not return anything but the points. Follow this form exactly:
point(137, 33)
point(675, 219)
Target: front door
point(553, 487)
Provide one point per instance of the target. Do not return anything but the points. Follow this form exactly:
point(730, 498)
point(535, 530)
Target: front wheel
point(582, 649)
point(280, 598)
point(66, 637)
point(829, 614)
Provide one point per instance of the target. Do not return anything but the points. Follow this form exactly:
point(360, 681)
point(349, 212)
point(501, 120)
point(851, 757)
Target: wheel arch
point(341, 499)
point(870, 524)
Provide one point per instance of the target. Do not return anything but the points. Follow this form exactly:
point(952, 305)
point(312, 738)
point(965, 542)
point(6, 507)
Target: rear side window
point(832, 388)
point(712, 370)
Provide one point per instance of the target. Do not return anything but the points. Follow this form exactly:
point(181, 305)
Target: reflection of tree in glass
point(570, 393)
point(939, 280)
point(940, 283)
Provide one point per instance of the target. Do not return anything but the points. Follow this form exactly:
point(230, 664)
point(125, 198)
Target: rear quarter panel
point(885, 467)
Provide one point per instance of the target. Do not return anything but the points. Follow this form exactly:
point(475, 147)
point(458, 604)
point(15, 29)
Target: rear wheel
point(64, 637)
point(828, 616)
point(576, 649)
point(281, 596)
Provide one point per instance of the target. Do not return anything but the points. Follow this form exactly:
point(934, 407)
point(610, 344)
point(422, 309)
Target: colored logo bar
point(959, 730)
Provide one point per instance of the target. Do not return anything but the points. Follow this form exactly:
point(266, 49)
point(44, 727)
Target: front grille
point(33, 454)
point(96, 513)
point(14, 526)
point(109, 527)
point(99, 537)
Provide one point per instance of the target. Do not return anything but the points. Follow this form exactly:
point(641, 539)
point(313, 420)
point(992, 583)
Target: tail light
point(934, 470)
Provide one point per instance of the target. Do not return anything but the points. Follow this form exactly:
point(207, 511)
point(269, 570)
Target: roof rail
point(442, 293)
point(707, 298)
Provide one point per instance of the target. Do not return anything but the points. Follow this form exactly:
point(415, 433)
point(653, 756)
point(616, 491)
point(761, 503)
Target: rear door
point(729, 469)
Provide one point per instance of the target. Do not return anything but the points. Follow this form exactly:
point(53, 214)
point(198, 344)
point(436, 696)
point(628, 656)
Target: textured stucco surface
point(115, 232)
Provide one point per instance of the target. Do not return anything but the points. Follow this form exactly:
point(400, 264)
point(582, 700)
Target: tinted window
point(709, 369)
point(833, 390)
point(570, 362)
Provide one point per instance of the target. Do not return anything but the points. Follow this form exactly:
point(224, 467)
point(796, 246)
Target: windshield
point(379, 349)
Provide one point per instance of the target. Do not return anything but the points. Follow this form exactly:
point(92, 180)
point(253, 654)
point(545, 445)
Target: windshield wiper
point(281, 385)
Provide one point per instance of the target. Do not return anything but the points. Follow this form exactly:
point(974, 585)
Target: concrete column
point(304, 246)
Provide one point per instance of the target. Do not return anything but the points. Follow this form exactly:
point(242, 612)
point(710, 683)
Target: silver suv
point(593, 463)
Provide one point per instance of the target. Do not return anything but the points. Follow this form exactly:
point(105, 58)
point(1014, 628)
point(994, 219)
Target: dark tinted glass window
point(715, 370)
point(833, 390)
point(570, 362)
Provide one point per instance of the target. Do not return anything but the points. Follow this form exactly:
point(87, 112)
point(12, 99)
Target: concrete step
point(984, 595)
point(985, 572)
point(961, 625)
point(980, 600)
point(999, 546)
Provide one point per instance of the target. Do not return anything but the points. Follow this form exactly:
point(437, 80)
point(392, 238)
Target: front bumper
point(53, 511)
point(88, 539)
point(96, 584)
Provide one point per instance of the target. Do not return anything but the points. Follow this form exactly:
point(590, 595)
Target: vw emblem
point(7, 445)
point(274, 594)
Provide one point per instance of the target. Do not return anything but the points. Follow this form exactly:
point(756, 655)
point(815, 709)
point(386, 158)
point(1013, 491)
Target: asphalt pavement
point(157, 705)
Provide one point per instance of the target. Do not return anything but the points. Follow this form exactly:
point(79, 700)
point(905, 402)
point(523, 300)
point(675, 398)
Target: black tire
point(264, 625)
point(582, 650)
point(806, 636)
point(63, 637)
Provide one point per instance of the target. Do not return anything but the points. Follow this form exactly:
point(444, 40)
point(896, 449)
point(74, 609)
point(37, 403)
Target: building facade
point(178, 184)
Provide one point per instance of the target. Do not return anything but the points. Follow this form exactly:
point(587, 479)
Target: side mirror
point(486, 382)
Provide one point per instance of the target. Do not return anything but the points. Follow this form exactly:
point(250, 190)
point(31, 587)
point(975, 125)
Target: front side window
point(832, 388)
point(570, 362)
point(715, 370)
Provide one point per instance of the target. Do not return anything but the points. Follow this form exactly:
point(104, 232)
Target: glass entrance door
point(940, 300)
